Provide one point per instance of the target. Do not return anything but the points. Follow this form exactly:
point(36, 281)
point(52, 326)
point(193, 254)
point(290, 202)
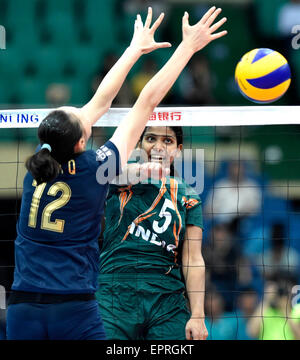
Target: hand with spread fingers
point(197, 36)
point(143, 37)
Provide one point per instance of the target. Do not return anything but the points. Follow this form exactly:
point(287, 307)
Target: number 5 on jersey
point(46, 224)
point(164, 214)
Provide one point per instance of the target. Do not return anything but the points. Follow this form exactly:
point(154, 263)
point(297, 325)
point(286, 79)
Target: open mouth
point(157, 158)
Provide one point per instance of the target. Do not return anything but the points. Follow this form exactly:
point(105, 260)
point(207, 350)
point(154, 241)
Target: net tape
point(172, 116)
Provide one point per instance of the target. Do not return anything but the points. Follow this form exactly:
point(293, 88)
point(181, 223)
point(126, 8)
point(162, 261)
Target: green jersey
point(145, 226)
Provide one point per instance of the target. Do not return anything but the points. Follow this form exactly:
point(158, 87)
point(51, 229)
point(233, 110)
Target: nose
point(159, 146)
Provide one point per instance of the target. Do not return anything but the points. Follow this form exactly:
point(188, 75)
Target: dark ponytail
point(42, 166)
point(61, 131)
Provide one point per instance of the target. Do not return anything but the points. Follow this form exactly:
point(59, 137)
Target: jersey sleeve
point(193, 206)
point(108, 162)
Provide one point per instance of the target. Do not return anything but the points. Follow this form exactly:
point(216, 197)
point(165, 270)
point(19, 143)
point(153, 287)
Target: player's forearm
point(130, 129)
point(111, 84)
point(195, 38)
point(161, 83)
point(194, 274)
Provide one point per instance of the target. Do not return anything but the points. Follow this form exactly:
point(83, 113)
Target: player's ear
point(80, 145)
point(178, 151)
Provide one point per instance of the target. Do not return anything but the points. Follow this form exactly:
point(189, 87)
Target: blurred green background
point(69, 42)
point(57, 52)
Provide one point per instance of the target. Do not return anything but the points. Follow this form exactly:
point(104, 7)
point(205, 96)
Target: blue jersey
point(56, 250)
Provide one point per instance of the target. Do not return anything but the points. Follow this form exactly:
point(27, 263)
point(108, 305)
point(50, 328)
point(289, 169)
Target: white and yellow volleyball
point(263, 75)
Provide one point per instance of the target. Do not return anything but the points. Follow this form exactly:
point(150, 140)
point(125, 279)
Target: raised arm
point(194, 39)
point(142, 43)
point(193, 268)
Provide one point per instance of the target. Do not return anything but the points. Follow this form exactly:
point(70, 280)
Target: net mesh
point(250, 199)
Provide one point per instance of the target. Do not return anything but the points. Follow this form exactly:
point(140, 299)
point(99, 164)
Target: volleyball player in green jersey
point(151, 253)
point(152, 232)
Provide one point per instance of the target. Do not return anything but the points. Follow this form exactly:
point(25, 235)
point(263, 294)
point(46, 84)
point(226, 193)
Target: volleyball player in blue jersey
point(56, 250)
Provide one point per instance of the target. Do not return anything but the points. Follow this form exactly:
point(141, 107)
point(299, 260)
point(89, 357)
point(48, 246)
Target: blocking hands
point(143, 37)
point(197, 36)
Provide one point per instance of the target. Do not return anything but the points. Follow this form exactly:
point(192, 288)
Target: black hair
point(179, 138)
point(61, 131)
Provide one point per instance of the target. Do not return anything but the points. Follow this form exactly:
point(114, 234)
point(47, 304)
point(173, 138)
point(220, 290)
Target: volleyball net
point(249, 174)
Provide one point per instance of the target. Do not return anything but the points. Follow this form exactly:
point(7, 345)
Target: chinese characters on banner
point(166, 116)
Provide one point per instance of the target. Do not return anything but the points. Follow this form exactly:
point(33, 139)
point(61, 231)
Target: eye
point(150, 138)
point(168, 141)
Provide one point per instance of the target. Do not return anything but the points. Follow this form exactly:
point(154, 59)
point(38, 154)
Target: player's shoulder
point(190, 197)
point(88, 154)
point(102, 152)
point(84, 159)
point(184, 188)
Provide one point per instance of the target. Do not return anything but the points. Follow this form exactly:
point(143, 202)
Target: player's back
point(57, 244)
point(63, 210)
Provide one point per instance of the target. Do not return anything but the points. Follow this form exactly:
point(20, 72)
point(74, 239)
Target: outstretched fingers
point(206, 16)
point(149, 18)
point(213, 17)
point(163, 45)
point(218, 35)
point(139, 20)
point(157, 22)
point(218, 24)
point(208, 20)
point(185, 19)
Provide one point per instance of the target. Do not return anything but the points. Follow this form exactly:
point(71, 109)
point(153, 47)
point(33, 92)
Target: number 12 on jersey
point(46, 224)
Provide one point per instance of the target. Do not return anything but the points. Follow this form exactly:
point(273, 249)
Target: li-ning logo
point(103, 153)
point(2, 38)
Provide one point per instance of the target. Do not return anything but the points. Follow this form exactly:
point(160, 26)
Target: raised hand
point(143, 37)
point(196, 37)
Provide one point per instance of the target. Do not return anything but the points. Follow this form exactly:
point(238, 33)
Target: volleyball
point(263, 75)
